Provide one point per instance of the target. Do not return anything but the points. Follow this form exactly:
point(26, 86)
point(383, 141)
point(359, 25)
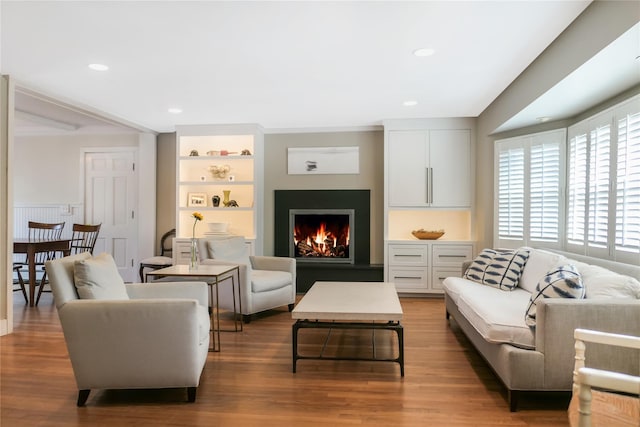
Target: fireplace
point(321, 235)
point(315, 204)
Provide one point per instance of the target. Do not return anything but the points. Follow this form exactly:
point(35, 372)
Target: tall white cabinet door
point(407, 167)
point(450, 168)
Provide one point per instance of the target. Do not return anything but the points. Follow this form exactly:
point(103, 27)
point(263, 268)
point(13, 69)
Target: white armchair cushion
point(266, 280)
point(233, 250)
point(98, 278)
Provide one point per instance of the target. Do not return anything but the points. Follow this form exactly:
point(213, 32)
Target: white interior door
point(110, 199)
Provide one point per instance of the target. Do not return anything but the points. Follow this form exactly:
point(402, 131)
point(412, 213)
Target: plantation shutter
point(599, 180)
point(577, 193)
point(510, 192)
point(627, 237)
point(544, 191)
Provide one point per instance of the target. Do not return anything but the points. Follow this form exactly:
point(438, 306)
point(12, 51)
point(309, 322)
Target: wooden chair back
point(84, 238)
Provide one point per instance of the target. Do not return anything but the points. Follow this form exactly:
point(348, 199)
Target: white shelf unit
point(244, 180)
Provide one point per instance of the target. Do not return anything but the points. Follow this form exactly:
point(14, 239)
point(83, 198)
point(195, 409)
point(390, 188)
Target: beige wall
point(166, 185)
point(46, 169)
point(371, 176)
point(577, 44)
point(371, 144)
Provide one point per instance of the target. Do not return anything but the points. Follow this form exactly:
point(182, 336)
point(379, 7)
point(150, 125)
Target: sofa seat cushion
point(497, 315)
point(453, 286)
point(269, 280)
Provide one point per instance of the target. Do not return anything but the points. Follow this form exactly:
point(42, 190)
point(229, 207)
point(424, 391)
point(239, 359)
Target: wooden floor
point(250, 382)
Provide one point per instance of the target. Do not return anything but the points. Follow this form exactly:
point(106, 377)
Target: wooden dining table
point(31, 247)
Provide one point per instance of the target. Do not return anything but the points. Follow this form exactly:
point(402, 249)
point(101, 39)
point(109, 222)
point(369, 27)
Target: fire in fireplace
point(321, 235)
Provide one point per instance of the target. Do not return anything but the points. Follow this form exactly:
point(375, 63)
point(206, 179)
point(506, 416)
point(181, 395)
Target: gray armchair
point(158, 338)
point(266, 282)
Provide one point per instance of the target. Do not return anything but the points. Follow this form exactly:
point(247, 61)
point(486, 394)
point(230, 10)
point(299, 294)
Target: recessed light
point(175, 110)
point(424, 52)
point(98, 67)
point(543, 119)
point(410, 103)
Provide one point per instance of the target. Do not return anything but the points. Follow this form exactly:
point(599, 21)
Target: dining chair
point(164, 259)
point(83, 239)
point(20, 283)
point(40, 231)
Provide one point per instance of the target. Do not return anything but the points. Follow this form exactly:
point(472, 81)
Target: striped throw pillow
point(560, 282)
point(498, 268)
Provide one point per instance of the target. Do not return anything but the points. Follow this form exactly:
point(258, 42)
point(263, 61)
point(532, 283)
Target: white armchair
point(158, 338)
point(266, 282)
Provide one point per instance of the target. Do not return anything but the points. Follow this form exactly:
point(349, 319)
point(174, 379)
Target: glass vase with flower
point(193, 258)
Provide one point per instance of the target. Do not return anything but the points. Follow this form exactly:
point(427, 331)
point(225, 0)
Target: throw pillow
point(98, 278)
point(560, 282)
point(498, 268)
point(233, 250)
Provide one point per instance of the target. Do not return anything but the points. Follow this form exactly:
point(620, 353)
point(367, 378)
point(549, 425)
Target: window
point(604, 183)
point(627, 237)
point(602, 198)
point(529, 180)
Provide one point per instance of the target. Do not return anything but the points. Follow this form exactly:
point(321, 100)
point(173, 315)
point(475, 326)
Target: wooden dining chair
point(18, 284)
point(40, 231)
point(164, 259)
point(83, 239)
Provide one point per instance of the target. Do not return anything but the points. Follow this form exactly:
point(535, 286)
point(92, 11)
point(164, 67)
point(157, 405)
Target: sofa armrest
point(148, 342)
point(557, 318)
point(180, 290)
point(274, 263)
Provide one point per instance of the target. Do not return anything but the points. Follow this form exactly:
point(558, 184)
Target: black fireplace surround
point(308, 273)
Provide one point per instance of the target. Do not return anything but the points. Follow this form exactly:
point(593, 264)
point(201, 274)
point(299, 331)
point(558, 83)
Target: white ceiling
point(284, 65)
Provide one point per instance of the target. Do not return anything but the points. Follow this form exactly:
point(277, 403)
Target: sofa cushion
point(538, 264)
point(453, 286)
point(98, 278)
point(498, 268)
point(600, 282)
point(497, 316)
point(268, 280)
point(560, 282)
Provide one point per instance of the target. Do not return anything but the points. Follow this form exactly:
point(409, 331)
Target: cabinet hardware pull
point(430, 185)
point(407, 255)
point(407, 277)
point(452, 256)
point(426, 185)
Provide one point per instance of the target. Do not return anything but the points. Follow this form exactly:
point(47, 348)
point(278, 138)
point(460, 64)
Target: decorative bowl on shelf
point(423, 234)
point(218, 227)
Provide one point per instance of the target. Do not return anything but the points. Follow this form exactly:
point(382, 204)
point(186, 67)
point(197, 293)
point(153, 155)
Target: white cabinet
point(213, 161)
point(421, 267)
point(182, 250)
point(429, 168)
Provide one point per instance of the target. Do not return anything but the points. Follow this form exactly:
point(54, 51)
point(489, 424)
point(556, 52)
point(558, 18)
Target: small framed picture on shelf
point(196, 199)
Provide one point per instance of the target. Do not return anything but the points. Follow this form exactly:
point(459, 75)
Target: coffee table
point(213, 275)
point(350, 305)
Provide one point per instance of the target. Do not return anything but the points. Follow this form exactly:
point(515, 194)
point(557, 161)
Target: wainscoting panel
point(69, 214)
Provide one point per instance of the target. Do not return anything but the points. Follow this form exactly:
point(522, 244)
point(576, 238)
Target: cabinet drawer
point(408, 255)
point(409, 278)
point(440, 273)
point(451, 255)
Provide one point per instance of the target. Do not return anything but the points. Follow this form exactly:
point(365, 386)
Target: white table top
point(351, 301)
point(203, 270)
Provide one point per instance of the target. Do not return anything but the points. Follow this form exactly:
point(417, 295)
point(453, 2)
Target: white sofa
point(541, 358)
point(157, 336)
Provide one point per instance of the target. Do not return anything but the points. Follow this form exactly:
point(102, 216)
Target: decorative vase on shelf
point(226, 193)
point(215, 201)
point(193, 258)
